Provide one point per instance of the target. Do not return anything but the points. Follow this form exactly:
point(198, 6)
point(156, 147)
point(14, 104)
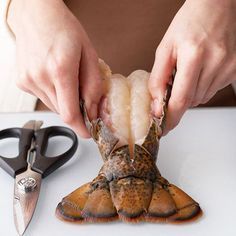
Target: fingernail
point(156, 108)
point(92, 111)
point(165, 132)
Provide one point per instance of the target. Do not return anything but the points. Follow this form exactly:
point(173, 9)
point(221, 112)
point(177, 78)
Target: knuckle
point(23, 78)
point(220, 54)
point(205, 100)
point(20, 85)
point(155, 82)
point(173, 124)
point(195, 102)
point(192, 46)
point(163, 46)
point(23, 81)
point(151, 85)
point(93, 92)
point(208, 97)
point(194, 51)
point(92, 96)
point(68, 117)
point(58, 66)
point(155, 90)
point(93, 55)
point(160, 51)
point(182, 101)
point(38, 75)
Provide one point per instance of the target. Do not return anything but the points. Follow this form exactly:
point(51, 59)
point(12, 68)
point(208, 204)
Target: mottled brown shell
point(131, 189)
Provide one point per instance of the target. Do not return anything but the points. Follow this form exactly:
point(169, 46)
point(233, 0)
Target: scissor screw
point(27, 184)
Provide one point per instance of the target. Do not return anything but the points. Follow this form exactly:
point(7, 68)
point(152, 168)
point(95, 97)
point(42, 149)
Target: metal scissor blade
point(33, 124)
point(26, 193)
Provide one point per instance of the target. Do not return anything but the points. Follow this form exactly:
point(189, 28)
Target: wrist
point(215, 3)
point(20, 11)
point(13, 14)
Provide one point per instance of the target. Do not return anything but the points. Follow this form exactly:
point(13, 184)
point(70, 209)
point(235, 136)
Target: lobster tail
point(129, 185)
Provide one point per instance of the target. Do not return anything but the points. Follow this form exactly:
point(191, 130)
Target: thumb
point(91, 82)
point(160, 76)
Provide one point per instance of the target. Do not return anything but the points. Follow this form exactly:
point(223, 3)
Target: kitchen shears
point(31, 165)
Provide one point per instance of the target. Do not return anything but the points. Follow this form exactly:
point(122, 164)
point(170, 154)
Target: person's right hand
point(56, 61)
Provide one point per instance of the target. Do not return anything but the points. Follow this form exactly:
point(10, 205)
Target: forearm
point(48, 67)
point(12, 15)
point(19, 11)
point(224, 3)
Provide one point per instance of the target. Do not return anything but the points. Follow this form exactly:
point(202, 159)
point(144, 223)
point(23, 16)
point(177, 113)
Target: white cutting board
point(198, 156)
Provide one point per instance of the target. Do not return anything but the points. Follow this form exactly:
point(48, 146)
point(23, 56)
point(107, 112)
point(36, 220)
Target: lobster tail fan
point(169, 203)
point(162, 204)
point(131, 197)
point(187, 208)
point(71, 206)
point(87, 203)
point(99, 206)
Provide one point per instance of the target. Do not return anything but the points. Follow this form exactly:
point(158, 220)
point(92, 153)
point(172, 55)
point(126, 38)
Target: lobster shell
point(129, 189)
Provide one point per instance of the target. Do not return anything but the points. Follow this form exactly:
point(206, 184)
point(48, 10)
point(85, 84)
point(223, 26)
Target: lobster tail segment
point(131, 197)
point(186, 207)
point(99, 206)
point(171, 204)
point(87, 204)
point(162, 204)
point(71, 206)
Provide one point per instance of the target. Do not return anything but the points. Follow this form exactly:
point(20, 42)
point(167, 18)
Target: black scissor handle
point(46, 165)
point(18, 164)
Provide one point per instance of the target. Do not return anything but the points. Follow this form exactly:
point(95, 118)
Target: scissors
point(31, 165)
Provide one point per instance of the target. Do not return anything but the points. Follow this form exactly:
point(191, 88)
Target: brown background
point(126, 33)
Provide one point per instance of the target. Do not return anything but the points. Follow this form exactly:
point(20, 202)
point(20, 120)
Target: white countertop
point(199, 156)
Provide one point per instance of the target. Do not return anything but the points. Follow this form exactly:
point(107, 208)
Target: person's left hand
point(201, 44)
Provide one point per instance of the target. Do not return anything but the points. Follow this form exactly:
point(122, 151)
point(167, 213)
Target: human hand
point(56, 61)
point(201, 44)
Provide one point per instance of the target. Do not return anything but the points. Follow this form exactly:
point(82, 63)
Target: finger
point(212, 66)
point(48, 97)
point(189, 66)
point(53, 97)
point(90, 82)
point(45, 86)
point(67, 91)
point(160, 76)
point(223, 78)
point(46, 100)
point(35, 90)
